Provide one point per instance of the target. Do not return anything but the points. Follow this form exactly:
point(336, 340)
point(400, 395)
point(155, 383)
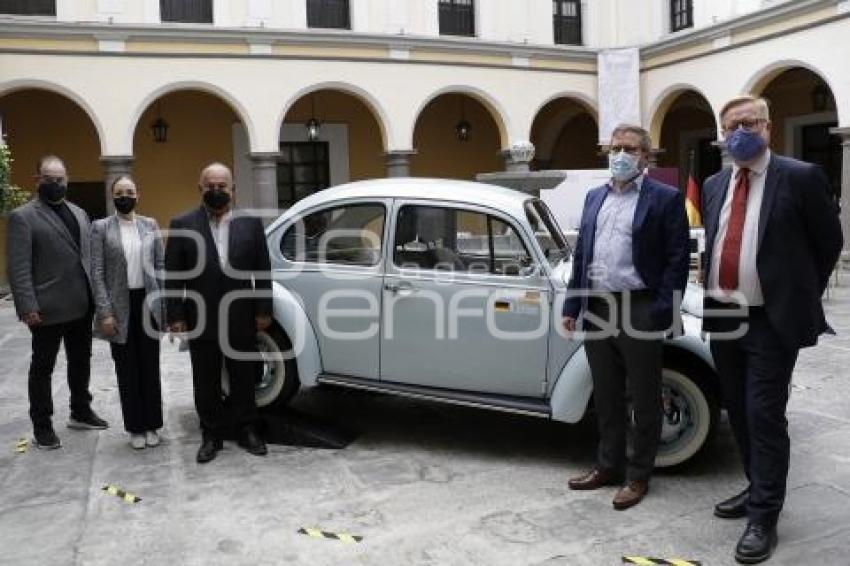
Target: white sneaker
point(151, 438)
point(137, 441)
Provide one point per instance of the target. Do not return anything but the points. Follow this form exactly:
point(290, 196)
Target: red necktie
point(730, 256)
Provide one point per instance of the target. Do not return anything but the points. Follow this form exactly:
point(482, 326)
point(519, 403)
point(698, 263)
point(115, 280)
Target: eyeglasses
point(749, 124)
point(630, 149)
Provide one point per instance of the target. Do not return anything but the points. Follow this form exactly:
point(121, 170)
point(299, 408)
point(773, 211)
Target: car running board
point(506, 403)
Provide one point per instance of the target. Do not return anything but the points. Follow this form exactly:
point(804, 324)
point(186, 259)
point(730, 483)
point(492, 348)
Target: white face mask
point(623, 166)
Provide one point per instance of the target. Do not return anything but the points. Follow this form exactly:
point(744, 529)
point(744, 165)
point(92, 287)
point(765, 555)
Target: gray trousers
point(624, 366)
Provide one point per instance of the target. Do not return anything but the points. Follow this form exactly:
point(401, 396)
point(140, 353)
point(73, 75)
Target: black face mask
point(124, 205)
point(216, 199)
point(52, 191)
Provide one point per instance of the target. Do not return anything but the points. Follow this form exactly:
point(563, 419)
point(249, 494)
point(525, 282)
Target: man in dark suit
point(630, 269)
point(232, 259)
point(49, 273)
point(773, 237)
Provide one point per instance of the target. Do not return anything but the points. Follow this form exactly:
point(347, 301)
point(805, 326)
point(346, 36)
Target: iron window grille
point(681, 14)
point(328, 14)
point(186, 11)
point(566, 15)
point(28, 7)
point(457, 17)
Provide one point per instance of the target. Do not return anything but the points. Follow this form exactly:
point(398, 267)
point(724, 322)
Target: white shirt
point(613, 266)
point(749, 284)
point(131, 241)
point(220, 228)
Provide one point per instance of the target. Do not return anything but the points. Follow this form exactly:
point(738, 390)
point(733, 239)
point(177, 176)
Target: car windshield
point(547, 232)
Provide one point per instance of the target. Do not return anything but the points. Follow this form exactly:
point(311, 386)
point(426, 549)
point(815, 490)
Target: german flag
point(692, 198)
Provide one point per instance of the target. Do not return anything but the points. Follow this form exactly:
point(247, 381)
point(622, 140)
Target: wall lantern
point(159, 128)
point(463, 127)
point(313, 126)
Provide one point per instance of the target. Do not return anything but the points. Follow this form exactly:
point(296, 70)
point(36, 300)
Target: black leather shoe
point(757, 544)
point(45, 437)
point(733, 508)
point(209, 449)
point(88, 421)
point(252, 443)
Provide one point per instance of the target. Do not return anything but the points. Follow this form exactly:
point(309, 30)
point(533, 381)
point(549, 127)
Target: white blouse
point(131, 241)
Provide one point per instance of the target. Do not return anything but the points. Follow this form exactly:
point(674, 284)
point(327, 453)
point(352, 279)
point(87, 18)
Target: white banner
point(619, 89)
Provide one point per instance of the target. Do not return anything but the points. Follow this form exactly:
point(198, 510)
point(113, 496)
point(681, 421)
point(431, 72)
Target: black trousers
point(137, 367)
point(755, 375)
point(626, 365)
point(76, 336)
point(220, 417)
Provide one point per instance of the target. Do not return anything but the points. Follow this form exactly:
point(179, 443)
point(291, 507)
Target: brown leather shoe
point(630, 494)
point(594, 479)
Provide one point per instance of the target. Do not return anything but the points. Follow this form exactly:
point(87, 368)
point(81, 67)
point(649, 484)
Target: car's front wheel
point(690, 415)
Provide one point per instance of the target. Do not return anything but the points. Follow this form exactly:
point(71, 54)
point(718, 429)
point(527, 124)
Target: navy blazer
point(799, 241)
point(660, 248)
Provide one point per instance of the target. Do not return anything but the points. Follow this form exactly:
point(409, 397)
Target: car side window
point(349, 234)
point(452, 239)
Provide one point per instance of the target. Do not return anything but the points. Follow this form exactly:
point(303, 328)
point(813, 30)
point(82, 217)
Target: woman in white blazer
point(127, 262)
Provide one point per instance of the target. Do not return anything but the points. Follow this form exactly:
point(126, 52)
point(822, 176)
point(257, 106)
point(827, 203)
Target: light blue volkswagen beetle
point(449, 291)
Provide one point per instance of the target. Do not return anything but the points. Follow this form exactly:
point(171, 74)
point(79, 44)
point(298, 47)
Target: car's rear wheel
point(279, 380)
point(691, 413)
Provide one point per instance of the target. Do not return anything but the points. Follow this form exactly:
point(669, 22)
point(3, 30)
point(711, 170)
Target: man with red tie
point(773, 236)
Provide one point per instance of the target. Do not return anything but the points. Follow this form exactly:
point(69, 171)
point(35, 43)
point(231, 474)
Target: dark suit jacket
point(660, 247)
point(49, 272)
point(247, 253)
point(800, 239)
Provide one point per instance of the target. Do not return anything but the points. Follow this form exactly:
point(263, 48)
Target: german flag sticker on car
point(502, 306)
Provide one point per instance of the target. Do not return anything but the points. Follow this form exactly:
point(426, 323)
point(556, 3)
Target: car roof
point(444, 190)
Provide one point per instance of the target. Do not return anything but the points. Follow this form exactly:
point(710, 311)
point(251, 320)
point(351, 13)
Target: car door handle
point(401, 289)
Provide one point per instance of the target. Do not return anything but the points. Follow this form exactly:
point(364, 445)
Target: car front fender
point(289, 313)
point(572, 390)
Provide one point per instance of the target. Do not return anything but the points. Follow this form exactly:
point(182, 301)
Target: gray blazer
point(109, 273)
point(48, 272)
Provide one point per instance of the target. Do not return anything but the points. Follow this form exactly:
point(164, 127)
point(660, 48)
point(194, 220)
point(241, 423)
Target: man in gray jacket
point(48, 269)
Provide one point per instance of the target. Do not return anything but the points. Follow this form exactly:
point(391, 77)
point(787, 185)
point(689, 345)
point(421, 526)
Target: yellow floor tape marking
point(342, 537)
point(117, 491)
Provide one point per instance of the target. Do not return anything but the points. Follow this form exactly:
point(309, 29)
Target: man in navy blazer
point(630, 269)
point(773, 236)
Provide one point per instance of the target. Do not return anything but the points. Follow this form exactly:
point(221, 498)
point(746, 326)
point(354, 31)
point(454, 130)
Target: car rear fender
point(292, 318)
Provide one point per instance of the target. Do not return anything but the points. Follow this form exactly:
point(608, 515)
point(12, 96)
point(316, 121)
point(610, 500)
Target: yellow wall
point(441, 154)
point(365, 145)
point(37, 122)
point(200, 131)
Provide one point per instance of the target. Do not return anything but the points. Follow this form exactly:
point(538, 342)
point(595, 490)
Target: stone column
point(114, 166)
point(725, 158)
point(844, 134)
point(398, 162)
point(264, 168)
